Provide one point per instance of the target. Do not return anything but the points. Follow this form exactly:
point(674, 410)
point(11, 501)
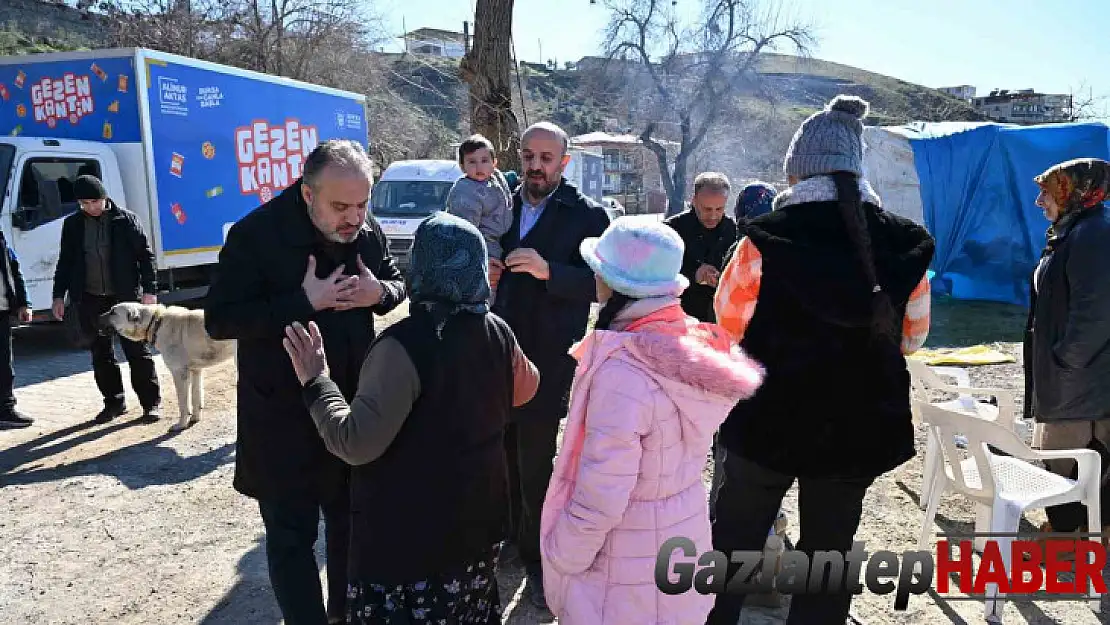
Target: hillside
point(423, 108)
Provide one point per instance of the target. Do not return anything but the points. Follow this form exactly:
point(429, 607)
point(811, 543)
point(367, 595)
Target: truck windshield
point(7, 155)
point(415, 198)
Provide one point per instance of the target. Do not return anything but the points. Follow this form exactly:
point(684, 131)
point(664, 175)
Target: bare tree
point(487, 68)
point(189, 28)
point(296, 38)
point(695, 67)
point(1086, 106)
point(285, 36)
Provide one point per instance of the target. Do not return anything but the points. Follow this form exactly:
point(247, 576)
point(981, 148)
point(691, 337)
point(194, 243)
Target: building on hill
point(435, 42)
point(1025, 107)
point(963, 92)
point(631, 170)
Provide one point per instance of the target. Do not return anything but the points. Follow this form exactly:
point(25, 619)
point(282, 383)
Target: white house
point(435, 42)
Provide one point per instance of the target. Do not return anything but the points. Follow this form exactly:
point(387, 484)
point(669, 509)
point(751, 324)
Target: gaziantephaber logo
point(1062, 567)
point(272, 156)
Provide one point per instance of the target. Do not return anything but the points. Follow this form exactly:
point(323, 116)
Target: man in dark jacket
point(544, 292)
point(708, 233)
point(310, 254)
point(105, 259)
point(15, 304)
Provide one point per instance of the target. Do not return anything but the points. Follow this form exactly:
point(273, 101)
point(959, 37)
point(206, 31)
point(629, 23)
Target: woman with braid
point(827, 291)
point(652, 385)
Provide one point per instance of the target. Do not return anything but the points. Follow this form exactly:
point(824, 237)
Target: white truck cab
point(36, 177)
point(406, 194)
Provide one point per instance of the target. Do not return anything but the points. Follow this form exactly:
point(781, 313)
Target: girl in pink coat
point(651, 388)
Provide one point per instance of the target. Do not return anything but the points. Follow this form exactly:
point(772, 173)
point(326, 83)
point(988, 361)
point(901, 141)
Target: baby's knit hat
point(829, 140)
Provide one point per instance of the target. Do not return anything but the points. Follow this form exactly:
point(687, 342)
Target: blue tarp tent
point(975, 193)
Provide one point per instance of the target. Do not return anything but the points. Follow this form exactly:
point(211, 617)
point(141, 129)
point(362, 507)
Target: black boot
point(151, 414)
point(13, 419)
point(110, 412)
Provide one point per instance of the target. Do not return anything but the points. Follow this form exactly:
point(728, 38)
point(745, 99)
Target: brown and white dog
point(179, 335)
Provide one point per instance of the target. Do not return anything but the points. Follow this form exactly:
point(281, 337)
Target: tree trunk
point(676, 200)
point(487, 68)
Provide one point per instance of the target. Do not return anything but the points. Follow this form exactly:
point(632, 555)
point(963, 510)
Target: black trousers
point(106, 371)
point(291, 533)
point(747, 503)
point(530, 451)
point(7, 366)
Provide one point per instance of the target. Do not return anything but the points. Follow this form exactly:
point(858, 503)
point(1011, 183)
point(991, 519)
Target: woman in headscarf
point(429, 482)
point(1067, 363)
point(755, 199)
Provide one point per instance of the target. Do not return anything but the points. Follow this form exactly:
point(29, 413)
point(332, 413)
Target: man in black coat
point(105, 259)
point(310, 254)
point(708, 233)
point(544, 292)
point(15, 304)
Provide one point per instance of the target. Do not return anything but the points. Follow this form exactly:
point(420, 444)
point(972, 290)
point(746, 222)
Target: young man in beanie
point(105, 259)
point(14, 302)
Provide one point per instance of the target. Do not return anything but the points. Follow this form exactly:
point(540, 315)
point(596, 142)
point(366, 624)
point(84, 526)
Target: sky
point(1054, 47)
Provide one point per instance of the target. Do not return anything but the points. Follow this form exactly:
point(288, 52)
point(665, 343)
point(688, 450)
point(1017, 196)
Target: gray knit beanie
point(830, 140)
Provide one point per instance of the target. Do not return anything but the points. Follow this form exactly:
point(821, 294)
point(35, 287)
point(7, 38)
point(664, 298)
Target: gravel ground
point(128, 524)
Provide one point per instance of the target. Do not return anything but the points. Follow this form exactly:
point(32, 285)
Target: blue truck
point(188, 146)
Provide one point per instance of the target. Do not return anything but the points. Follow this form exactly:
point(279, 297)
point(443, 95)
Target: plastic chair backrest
point(928, 377)
point(947, 424)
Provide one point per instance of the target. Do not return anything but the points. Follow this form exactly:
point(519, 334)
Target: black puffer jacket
point(1067, 363)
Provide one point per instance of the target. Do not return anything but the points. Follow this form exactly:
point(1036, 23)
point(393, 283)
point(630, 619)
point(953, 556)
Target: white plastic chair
point(925, 378)
point(1003, 487)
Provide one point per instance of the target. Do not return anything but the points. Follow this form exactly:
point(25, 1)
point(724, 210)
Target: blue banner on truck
point(224, 144)
point(90, 99)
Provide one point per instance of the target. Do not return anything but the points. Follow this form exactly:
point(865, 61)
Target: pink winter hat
point(638, 258)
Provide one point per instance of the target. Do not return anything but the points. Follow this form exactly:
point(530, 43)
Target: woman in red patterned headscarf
point(1067, 363)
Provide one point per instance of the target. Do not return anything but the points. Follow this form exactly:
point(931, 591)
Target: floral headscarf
point(1076, 185)
point(448, 269)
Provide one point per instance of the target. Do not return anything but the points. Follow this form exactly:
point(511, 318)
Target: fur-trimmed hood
point(694, 363)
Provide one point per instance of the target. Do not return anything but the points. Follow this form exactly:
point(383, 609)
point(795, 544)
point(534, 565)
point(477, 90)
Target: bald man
point(544, 292)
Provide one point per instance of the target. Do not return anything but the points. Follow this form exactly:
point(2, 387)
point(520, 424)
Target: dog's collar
point(152, 329)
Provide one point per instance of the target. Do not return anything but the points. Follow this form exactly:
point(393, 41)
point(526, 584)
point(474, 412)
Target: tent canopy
point(971, 185)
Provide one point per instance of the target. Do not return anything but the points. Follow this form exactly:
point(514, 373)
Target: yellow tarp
point(975, 355)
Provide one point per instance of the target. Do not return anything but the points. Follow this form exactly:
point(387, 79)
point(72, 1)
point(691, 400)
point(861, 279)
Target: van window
point(46, 190)
point(415, 198)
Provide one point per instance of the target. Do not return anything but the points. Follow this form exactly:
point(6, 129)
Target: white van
point(407, 193)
